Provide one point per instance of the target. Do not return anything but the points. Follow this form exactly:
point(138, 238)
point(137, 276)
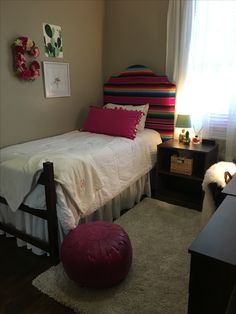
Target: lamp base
point(182, 136)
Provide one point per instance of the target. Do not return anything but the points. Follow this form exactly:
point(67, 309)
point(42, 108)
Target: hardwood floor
point(18, 267)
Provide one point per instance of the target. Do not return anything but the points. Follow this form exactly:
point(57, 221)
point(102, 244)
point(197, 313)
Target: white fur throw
point(214, 174)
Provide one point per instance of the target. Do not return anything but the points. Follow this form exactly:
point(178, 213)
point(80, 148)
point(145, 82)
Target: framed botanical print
point(56, 79)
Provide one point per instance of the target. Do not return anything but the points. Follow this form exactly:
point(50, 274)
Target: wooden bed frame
point(50, 215)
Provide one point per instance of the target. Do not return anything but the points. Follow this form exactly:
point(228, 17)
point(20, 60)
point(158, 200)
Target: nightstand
point(179, 188)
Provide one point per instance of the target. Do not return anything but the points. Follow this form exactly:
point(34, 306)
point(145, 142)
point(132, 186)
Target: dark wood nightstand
point(182, 189)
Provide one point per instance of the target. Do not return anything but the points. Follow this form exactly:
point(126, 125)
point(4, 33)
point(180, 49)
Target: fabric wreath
point(21, 46)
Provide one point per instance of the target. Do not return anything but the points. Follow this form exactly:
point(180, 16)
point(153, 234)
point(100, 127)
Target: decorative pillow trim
point(142, 108)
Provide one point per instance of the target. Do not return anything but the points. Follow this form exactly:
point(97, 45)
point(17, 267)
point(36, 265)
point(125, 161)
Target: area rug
point(160, 234)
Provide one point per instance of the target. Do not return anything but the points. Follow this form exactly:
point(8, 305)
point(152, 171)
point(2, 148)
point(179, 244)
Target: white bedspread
point(90, 169)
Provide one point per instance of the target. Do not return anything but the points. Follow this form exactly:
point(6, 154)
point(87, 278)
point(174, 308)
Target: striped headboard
point(140, 85)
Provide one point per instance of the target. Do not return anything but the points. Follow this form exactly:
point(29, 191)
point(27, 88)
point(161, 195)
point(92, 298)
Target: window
point(210, 85)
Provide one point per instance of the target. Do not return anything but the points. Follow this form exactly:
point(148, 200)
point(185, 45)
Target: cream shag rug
point(157, 283)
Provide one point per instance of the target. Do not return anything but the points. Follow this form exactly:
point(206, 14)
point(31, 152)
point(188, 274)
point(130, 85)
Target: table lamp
point(183, 121)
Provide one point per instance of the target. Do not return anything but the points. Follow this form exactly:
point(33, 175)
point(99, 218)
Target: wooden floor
point(18, 267)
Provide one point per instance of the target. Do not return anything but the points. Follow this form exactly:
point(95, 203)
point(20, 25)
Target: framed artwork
point(56, 79)
point(52, 38)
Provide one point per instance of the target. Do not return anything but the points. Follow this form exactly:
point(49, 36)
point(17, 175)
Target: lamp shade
point(183, 121)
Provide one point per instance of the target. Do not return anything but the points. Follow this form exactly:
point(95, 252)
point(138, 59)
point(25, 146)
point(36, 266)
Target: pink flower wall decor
point(21, 46)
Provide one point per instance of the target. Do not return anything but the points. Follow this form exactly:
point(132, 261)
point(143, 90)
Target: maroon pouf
point(97, 254)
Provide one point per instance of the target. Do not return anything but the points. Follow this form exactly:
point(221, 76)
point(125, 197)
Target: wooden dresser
point(213, 259)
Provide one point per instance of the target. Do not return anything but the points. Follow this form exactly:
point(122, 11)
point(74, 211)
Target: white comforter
point(90, 169)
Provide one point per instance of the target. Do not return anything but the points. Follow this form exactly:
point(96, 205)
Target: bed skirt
point(38, 227)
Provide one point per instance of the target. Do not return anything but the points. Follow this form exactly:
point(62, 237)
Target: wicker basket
point(181, 165)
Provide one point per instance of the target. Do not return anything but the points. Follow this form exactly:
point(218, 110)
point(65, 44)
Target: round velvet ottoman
point(97, 254)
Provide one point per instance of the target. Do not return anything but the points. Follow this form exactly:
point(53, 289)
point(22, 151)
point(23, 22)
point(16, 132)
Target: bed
point(44, 195)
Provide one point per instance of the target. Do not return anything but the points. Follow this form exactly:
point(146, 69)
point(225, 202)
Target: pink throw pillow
point(116, 122)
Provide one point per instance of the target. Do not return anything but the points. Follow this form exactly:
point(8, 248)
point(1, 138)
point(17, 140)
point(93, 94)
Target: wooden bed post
point(50, 193)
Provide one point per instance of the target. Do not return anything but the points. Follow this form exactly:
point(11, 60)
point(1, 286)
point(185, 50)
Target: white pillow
point(143, 108)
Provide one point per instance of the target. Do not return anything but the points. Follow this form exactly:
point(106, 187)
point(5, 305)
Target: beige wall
point(134, 33)
point(25, 113)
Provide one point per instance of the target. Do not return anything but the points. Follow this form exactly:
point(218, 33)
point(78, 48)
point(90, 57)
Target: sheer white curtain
point(204, 65)
point(179, 29)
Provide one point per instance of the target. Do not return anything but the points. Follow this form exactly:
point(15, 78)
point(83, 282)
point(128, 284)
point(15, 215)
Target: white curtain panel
point(179, 29)
point(201, 49)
